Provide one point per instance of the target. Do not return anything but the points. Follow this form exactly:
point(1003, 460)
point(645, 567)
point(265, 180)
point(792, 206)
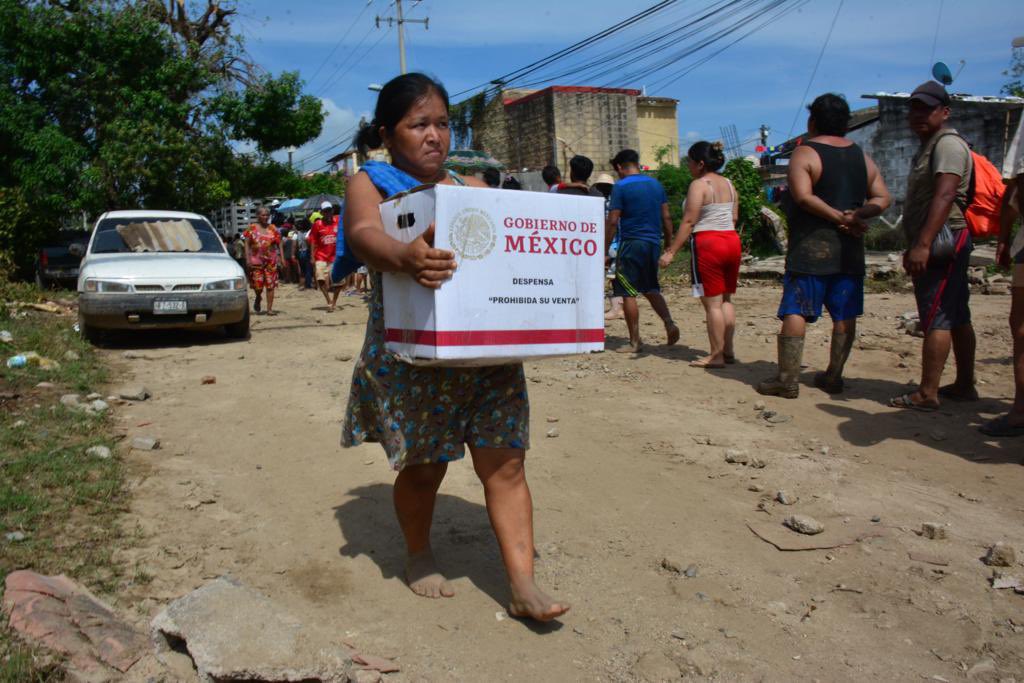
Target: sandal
point(271, 312)
point(703, 363)
point(904, 401)
point(730, 358)
point(1001, 426)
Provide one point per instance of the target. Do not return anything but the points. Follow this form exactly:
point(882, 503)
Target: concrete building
point(657, 126)
point(526, 129)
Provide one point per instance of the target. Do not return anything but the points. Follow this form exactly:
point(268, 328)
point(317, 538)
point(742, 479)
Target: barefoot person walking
point(264, 256)
point(425, 416)
point(710, 215)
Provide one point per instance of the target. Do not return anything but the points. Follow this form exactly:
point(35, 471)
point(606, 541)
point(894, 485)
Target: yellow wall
point(657, 126)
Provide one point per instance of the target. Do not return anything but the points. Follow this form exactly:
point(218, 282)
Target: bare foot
point(531, 602)
point(631, 347)
point(424, 578)
point(614, 315)
point(672, 330)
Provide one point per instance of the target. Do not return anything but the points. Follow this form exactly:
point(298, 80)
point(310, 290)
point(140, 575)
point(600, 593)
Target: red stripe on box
point(493, 337)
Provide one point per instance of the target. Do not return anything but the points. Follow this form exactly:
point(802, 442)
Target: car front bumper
point(135, 311)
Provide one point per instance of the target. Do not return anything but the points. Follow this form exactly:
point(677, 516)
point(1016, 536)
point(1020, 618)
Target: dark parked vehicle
point(57, 264)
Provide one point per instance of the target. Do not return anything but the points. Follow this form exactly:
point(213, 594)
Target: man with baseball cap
point(939, 247)
point(323, 240)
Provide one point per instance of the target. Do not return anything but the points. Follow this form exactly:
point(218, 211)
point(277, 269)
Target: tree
point(112, 104)
point(1015, 86)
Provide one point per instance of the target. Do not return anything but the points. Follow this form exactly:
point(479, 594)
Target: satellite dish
point(942, 74)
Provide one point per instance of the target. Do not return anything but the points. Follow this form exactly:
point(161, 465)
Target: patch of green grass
point(65, 502)
point(51, 336)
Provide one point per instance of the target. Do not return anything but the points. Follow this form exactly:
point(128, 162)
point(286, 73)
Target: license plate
point(169, 307)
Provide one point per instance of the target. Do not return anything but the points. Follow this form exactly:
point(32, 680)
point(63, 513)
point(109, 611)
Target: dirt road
point(250, 481)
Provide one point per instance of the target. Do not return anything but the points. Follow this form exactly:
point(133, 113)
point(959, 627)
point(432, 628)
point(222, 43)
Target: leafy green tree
point(115, 104)
point(1015, 86)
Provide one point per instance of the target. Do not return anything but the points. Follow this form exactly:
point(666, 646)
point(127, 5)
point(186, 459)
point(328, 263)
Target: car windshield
point(146, 234)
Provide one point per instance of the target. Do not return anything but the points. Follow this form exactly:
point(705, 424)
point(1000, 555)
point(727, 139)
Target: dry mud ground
point(251, 482)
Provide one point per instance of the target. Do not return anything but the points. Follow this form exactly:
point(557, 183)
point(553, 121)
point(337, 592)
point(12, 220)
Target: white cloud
point(692, 135)
point(338, 131)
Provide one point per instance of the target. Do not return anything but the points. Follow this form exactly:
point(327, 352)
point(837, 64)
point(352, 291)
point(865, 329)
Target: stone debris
point(208, 379)
point(933, 530)
point(772, 417)
point(98, 406)
point(101, 452)
point(134, 392)
point(15, 536)
point(553, 433)
point(71, 356)
point(343, 357)
point(784, 498)
point(57, 613)
point(234, 633)
point(1000, 582)
point(736, 456)
point(145, 443)
point(1000, 555)
point(691, 571)
point(71, 401)
point(758, 406)
point(93, 396)
point(552, 419)
point(804, 524)
point(983, 667)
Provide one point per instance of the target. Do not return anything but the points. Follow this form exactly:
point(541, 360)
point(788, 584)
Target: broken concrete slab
point(234, 633)
point(133, 392)
point(57, 613)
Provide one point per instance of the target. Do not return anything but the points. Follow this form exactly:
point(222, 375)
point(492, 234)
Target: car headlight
point(232, 284)
point(92, 285)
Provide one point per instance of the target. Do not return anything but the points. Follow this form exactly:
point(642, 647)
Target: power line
point(355, 63)
point(935, 40)
point(814, 72)
point(341, 40)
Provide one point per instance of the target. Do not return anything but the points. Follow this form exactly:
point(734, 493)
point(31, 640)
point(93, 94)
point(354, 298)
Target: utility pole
point(400, 20)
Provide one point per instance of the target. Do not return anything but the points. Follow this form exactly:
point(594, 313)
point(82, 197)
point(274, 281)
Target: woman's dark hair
point(710, 153)
point(831, 114)
point(396, 98)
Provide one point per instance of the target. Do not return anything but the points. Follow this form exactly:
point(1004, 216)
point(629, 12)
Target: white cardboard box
point(529, 281)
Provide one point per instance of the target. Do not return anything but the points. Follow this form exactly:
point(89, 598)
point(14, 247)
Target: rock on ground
point(134, 392)
point(145, 443)
point(1000, 555)
point(57, 613)
point(804, 524)
point(234, 633)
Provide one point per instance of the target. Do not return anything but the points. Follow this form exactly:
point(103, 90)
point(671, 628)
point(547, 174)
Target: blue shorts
point(804, 295)
point(636, 268)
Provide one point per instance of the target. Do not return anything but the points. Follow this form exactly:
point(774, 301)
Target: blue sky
point(877, 45)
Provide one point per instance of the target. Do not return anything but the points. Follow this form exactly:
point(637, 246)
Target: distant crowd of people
point(279, 248)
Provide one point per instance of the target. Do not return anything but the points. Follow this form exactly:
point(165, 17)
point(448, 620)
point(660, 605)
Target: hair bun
point(717, 146)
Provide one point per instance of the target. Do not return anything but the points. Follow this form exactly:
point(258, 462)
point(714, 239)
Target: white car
point(159, 269)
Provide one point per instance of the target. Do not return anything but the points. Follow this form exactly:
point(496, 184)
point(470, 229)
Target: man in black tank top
point(835, 188)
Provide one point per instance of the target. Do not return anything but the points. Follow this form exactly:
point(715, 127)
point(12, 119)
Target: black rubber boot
point(831, 381)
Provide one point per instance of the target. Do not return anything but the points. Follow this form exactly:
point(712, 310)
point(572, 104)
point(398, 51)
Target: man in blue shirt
point(638, 211)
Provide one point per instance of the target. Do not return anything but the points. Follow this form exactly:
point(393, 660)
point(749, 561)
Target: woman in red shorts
point(709, 222)
point(263, 254)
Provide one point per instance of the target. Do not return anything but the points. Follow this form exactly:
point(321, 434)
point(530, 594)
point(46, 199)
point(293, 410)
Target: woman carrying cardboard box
point(424, 416)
